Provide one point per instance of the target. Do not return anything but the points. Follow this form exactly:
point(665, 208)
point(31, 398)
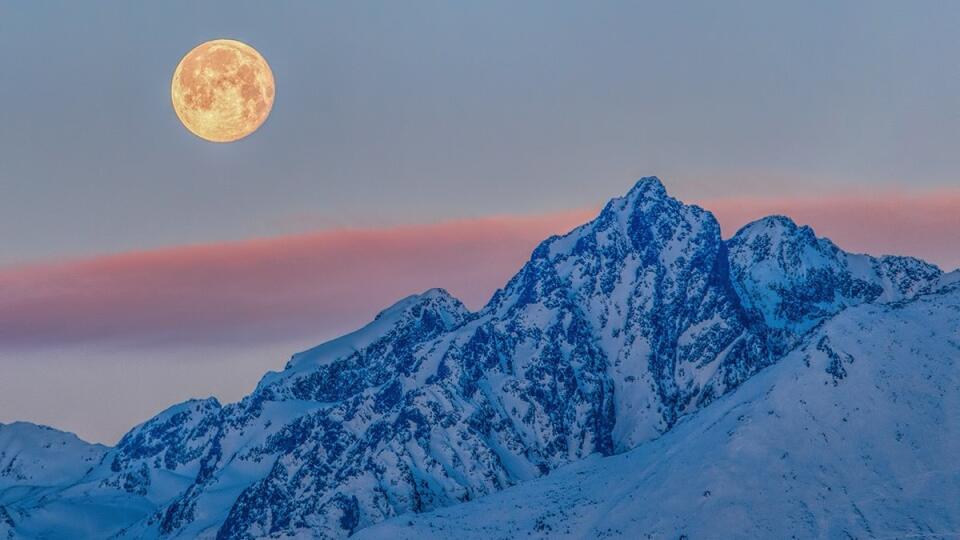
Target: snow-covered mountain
point(851, 435)
point(608, 338)
point(33, 456)
point(793, 279)
point(34, 462)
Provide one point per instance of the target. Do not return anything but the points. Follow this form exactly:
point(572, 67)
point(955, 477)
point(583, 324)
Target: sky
point(414, 145)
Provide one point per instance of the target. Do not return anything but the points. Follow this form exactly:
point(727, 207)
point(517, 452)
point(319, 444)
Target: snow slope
point(852, 435)
point(34, 456)
point(37, 462)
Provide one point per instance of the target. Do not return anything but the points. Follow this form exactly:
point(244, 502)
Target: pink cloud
point(310, 284)
point(330, 282)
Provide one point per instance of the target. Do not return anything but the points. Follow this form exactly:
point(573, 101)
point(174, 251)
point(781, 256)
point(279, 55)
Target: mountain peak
point(647, 194)
point(648, 186)
point(785, 273)
point(779, 228)
point(37, 455)
point(428, 313)
point(646, 228)
point(436, 298)
point(30, 431)
point(774, 220)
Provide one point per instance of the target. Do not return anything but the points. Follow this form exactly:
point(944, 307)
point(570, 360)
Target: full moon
point(222, 90)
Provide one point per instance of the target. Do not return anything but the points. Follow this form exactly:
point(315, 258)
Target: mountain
point(33, 456)
point(851, 435)
point(34, 462)
point(610, 338)
point(792, 279)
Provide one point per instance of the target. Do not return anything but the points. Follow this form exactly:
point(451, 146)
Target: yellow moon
point(222, 90)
